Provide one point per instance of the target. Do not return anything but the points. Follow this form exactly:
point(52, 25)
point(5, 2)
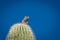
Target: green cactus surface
point(20, 31)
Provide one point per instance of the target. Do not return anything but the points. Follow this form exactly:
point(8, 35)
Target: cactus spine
point(21, 31)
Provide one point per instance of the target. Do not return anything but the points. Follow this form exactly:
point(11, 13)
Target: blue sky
point(44, 17)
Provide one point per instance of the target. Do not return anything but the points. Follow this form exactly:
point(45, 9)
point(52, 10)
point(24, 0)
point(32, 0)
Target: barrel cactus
point(21, 31)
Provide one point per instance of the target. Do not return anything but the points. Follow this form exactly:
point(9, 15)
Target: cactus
point(21, 31)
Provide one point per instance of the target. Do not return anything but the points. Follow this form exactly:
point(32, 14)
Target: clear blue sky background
point(44, 17)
